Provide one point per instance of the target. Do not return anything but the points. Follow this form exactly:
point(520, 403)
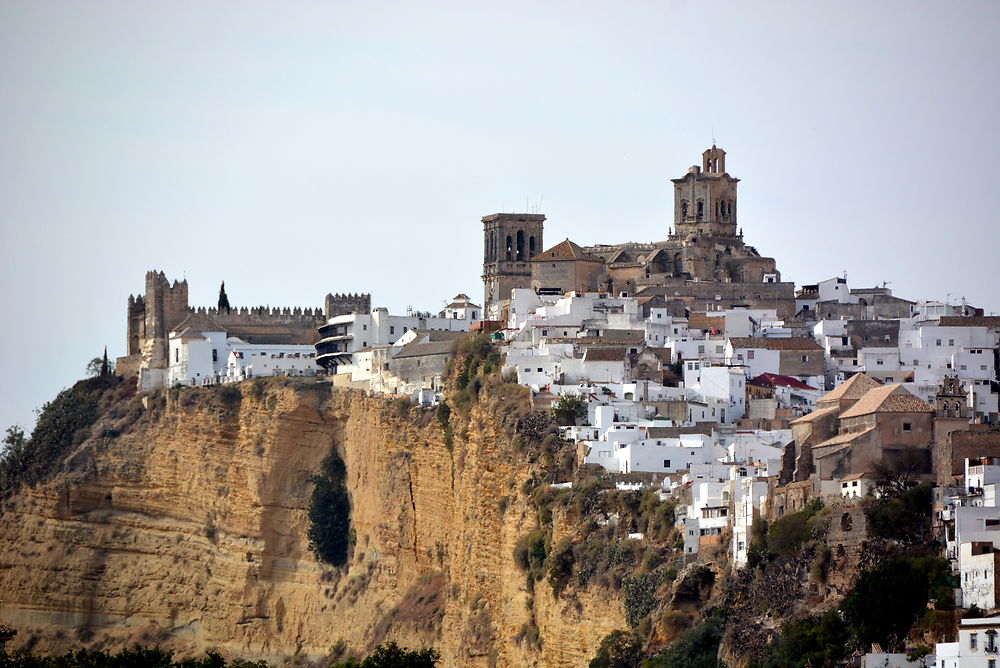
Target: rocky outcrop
point(189, 529)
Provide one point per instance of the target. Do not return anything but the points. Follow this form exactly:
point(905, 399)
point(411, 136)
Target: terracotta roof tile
point(887, 399)
point(817, 414)
point(604, 355)
point(566, 250)
point(794, 343)
point(851, 389)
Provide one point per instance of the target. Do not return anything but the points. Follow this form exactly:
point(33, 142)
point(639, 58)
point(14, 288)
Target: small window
point(805, 358)
point(666, 463)
point(907, 426)
point(539, 369)
point(364, 328)
point(392, 329)
point(972, 641)
point(749, 354)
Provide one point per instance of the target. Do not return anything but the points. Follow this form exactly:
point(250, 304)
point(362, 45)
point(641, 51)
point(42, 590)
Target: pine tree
point(223, 299)
point(105, 365)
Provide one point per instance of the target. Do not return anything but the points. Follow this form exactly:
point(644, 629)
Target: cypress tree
point(223, 299)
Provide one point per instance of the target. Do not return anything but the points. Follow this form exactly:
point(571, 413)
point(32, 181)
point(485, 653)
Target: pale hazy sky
point(297, 148)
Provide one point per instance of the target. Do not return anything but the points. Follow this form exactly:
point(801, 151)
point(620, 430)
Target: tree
point(569, 407)
point(902, 587)
point(223, 299)
point(899, 471)
point(619, 649)
point(100, 366)
point(391, 655)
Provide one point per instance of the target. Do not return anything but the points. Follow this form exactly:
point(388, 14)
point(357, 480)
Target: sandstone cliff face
point(189, 530)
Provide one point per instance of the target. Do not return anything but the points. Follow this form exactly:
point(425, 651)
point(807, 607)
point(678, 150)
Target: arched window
point(701, 209)
point(678, 264)
point(684, 210)
point(531, 246)
point(520, 245)
point(510, 246)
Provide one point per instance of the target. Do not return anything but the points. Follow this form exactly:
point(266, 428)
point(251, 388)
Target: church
point(703, 264)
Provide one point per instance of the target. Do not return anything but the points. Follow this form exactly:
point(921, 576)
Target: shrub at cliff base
point(619, 649)
point(144, 657)
point(391, 655)
point(330, 512)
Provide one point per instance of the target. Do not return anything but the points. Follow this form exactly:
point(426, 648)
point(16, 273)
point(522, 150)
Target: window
point(364, 344)
point(392, 329)
point(539, 369)
point(907, 426)
point(701, 349)
point(937, 342)
point(805, 358)
point(666, 463)
point(177, 354)
point(878, 362)
point(951, 342)
point(749, 354)
point(972, 641)
point(364, 328)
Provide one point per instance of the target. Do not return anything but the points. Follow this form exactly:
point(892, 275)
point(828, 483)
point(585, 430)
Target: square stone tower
point(510, 240)
point(705, 200)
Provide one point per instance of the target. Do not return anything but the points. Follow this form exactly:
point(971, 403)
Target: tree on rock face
point(223, 299)
point(391, 655)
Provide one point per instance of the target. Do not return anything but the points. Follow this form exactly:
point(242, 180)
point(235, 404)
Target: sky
point(292, 149)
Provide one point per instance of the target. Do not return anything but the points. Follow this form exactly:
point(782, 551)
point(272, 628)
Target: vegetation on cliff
point(62, 424)
point(330, 512)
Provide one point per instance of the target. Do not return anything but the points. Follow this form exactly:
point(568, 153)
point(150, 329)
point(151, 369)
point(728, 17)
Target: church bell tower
point(510, 240)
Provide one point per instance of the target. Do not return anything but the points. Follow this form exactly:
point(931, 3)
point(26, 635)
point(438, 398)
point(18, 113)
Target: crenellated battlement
point(164, 306)
point(258, 314)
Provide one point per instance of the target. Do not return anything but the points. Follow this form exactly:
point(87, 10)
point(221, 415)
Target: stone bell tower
point(510, 240)
point(705, 200)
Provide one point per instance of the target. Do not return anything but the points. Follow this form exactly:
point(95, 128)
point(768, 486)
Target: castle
point(703, 265)
point(164, 307)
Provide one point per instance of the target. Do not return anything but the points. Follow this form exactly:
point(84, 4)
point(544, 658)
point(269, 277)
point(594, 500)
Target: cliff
point(182, 520)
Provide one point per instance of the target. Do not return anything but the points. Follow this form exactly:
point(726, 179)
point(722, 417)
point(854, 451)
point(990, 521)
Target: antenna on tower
point(713, 136)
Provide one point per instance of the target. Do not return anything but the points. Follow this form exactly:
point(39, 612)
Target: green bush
point(820, 641)
point(640, 596)
point(144, 657)
point(696, 648)
point(391, 655)
point(570, 407)
point(618, 649)
point(905, 517)
point(787, 535)
point(62, 423)
point(901, 586)
point(330, 512)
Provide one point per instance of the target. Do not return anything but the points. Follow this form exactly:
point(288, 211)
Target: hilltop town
point(689, 366)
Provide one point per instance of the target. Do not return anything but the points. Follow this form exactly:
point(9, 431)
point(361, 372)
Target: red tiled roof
point(776, 379)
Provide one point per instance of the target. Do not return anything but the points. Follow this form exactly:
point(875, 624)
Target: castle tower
point(705, 200)
point(510, 240)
